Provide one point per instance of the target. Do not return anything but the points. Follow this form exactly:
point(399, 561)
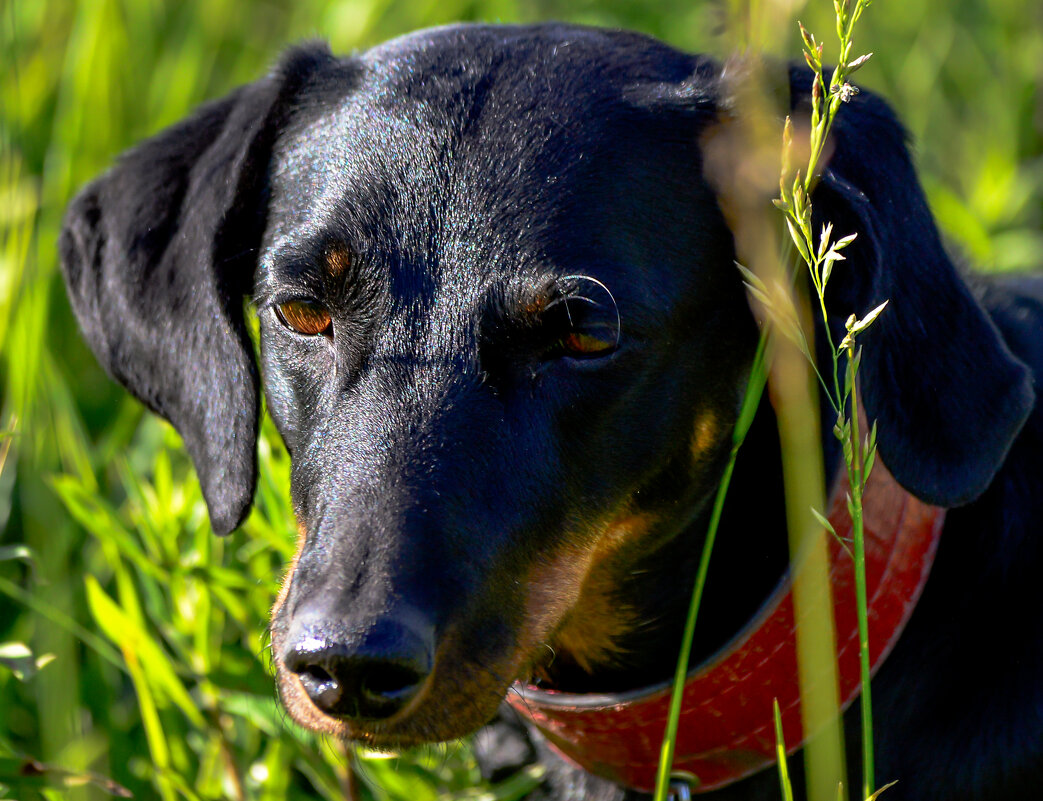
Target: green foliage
point(132, 643)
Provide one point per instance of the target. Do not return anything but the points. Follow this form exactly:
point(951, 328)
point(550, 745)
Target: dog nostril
point(376, 689)
point(389, 684)
point(325, 691)
point(316, 674)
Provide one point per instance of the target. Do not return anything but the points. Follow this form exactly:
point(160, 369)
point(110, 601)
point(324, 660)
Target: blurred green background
point(132, 645)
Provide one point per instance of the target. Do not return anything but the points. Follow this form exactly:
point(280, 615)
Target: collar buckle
point(681, 786)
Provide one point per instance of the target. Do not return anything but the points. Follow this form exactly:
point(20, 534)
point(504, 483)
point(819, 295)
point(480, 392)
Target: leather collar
point(726, 731)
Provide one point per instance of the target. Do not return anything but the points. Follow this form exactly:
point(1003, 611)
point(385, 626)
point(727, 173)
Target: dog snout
point(369, 675)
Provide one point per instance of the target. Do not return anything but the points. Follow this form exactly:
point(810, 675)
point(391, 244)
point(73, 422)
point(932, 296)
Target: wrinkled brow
point(327, 270)
point(524, 303)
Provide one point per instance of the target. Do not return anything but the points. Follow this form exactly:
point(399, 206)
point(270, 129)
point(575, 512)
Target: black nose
point(367, 676)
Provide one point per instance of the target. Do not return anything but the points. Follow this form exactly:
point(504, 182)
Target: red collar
point(726, 730)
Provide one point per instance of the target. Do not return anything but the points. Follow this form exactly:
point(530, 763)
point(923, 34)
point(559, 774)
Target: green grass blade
point(751, 400)
point(123, 630)
point(785, 785)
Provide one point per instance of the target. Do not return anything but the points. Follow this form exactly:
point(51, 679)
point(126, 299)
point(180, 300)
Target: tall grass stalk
point(820, 257)
point(816, 643)
point(745, 178)
point(751, 400)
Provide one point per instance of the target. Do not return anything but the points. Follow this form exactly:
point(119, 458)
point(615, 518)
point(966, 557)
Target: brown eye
point(585, 344)
point(304, 317)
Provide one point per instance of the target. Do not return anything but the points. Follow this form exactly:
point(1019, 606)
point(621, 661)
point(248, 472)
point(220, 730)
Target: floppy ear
point(948, 394)
point(158, 254)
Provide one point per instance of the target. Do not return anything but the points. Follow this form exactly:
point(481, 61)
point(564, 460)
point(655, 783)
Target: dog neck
point(725, 729)
point(635, 609)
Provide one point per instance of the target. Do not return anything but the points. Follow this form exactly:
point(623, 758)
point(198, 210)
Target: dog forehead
point(528, 62)
point(452, 157)
point(490, 114)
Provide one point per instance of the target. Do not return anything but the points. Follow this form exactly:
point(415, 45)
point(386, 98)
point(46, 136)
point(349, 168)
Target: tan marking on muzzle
point(573, 606)
point(287, 578)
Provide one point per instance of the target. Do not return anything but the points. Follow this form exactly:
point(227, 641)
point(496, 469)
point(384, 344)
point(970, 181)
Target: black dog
point(504, 340)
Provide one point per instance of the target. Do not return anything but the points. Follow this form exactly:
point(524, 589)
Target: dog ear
point(158, 254)
point(935, 373)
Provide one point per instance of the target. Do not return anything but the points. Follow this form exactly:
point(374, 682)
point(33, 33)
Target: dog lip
point(381, 734)
point(434, 714)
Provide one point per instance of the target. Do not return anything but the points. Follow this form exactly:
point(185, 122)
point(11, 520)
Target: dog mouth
point(448, 704)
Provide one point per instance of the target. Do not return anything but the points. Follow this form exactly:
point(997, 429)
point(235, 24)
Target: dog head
point(502, 337)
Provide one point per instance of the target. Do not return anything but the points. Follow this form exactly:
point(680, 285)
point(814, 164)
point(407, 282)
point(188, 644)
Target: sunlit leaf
point(127, 634)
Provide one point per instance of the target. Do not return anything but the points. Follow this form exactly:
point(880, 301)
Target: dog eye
point(305, 318)
point(588, 344)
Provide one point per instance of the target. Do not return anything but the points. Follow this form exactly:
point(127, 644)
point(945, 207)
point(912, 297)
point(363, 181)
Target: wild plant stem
point(796, 204)
point(838, 404)
point(750, 402)
point(856, 480)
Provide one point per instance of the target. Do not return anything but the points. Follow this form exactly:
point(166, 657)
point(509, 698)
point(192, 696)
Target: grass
point(147, 661)
point(796, 185)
